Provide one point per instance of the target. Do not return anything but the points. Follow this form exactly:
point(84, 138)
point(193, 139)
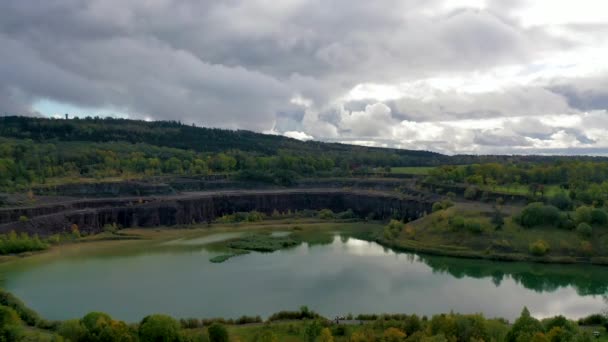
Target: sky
point(451, 76)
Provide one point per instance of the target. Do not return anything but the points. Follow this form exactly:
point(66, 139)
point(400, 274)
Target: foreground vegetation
point(19, 323)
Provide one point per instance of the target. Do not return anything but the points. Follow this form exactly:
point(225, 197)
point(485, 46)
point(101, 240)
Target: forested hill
point(176, 135)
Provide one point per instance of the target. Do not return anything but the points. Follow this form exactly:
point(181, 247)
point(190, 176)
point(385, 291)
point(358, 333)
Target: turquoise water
point(132, 279)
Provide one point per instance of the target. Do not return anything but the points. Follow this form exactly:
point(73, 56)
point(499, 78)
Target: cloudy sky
point(453, 76)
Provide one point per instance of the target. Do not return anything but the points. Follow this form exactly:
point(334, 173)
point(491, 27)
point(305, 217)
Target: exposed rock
point(92, 215)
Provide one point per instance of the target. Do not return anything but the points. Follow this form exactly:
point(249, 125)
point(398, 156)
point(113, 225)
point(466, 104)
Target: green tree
point(218, 333)
point(583, 214)
point(312, 330)
point(72, 330)
point(584, 229)
point(10, 325)
point(524, 328)
point(562, 201)
point(159, 328)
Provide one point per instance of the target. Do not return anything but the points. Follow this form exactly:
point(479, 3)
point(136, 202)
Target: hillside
point(176, 135)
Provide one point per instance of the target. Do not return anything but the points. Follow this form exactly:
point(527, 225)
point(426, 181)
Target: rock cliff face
point(92, 215)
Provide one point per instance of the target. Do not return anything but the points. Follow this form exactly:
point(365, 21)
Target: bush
point(252, 216)
point(537, 213)
point(561, 201)
point(326, 214)
point(13, 243)
point(595, 319)
point(159, 328)
point(585, 248)
point(457, 222)
point(524, 328)
point(583, 214)
point(304, 313)
point(110, 228)
point(539, 248)
point(497, 220)
point(346, 215)
point(23, 218)
point(393, 335)
point(248, 320)
point(217, 333)
point(72, 330)
point(473, 226)
point(10, 325)
point(471, 192)
point(29, 316)
point(393, 229)
point(598, 216)
point(584, 229)
point(446, 203)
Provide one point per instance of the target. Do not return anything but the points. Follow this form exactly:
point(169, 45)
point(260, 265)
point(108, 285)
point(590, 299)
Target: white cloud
point(470, 76)
point(298, 135)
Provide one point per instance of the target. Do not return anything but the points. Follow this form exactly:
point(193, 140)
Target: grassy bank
point(474, 232)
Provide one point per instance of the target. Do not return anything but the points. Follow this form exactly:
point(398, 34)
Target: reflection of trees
point(585, 279)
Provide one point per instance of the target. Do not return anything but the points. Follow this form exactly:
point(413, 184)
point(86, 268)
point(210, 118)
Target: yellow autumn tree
point(326, 336)
point(393, 335)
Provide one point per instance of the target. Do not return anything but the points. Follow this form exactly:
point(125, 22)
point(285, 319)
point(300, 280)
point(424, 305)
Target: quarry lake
point(130, 279)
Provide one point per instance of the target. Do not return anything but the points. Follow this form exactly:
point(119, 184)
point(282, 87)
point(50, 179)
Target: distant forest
point(38, 150)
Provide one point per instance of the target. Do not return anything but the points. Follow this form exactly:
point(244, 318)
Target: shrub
point(471, 192)
point(326, 336)
point(29, 316)
point(312, 331)
point(72, 330)
point(75, 231)
point(537, 213)
point(266, 335)
point(594, 319)
point(598, 216)
point(446, 203)
point(583, 214)
point(346, 215)
point(326, 214)
point(393, 335)
point(23, 218)
point(393, 229)
point(497, 220)
point(586, 248)
point(304, 313)
point(524, 328)
point(217, 333)
point(13, 243)
point(539, 248)
point(584, 229)
point(160, 328)
point(255, 216)
point(110, 228)
point(457, 222)
point(473, 226)
point(10, 325)
point(562, 201)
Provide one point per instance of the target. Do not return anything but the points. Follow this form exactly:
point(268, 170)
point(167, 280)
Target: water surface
point(132, 279)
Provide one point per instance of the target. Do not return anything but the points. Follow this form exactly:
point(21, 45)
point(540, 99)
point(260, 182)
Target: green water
point(132, 279)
